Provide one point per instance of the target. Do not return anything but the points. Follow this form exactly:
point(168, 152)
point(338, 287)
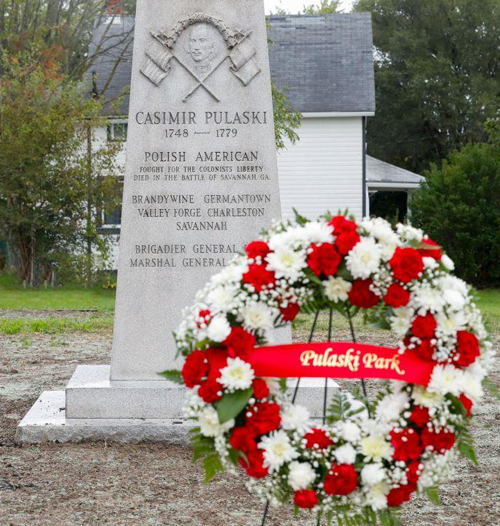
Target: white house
point(324, 63)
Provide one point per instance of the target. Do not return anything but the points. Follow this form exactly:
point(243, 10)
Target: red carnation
point(243, 439)
point(342, 479)
point(217, 359)
point(341, 225)
point(397, 296)
point(260, 389)
point(346, 242)
point(406, 264)
point(239, 343)
point(254, 464)
point(401, 494)
point(467, 348)
point(290, 312)
point(413, 471)
point(259, 277)
point(441, 441)
point(424, 326)
point(256, 249)
point(429, 251)
point(210, 390)
point(406, 445)
point(195, 368)
point(420, 416)
point(361, 295)
point(264, 418)
point(324, 259)
point(467, 403)
point(306, 498)
point(425, 350)
point(317, 438)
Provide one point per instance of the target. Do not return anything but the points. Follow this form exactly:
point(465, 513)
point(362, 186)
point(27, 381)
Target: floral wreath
point(369, 457)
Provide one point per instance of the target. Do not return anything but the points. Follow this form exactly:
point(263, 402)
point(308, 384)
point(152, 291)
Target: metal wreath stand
point(325, 396)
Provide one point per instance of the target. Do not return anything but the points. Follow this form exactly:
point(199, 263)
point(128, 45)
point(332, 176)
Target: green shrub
point(459, 207)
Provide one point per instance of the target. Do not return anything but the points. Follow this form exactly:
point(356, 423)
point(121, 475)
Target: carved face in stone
point(201, 45)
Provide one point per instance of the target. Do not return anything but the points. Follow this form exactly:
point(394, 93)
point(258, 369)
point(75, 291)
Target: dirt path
point(154, 484)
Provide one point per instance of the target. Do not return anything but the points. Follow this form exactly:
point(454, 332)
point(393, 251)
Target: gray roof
point(325, 62)
point(380, 174)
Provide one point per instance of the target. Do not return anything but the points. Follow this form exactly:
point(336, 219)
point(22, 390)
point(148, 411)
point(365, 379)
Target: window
point(112, 218)
point(117, 131)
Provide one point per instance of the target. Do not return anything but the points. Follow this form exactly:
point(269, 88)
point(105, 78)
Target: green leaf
point(212, 465)
point(300, 219)
point(283, 384)
point(231, 404)
point(467, 451)
point(491, 387)
point(433, 495)
point(343, 273)
point(173, 375)
point(202, 446)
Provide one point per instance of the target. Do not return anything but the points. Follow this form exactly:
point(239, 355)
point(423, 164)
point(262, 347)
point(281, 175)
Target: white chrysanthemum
point(401, 321)
point(376, 447)
point(428, 297)
point(221, 298)
point(447, 262)
point(219, 329)
point(273, 384)
point(257, 316)
point(471, 386)
point(364, 258)
point(286, 262)
point(349, 431)
point(337, 289)
point(445, 379)
point(448, 325)
point(294, 417)
point(376, 496)
point(318, 232)
point(301, 475)
point(381, 230)
point(373, 474)
point(426, 398)
point(209, 423)
point(292, 238)
point(410, 233)
point(237, 374)
point(345, 454)
point(233, 273)
point(277, 450)
point(391, 406)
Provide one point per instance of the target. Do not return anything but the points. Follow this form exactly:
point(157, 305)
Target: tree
point(437, 77)
point(323, 8)
point(51, 191)
point(459, 207)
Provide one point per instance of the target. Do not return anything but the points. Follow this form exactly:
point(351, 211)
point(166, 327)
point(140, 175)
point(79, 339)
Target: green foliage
point(323, 8)
point(212, 465)
point(459, 207)
point(202, 445)
point(231, 404)
point(437, 77)
point(491, 387)
point(55, 325)
point(341, 408)
point(465, 443)
point(433, 495)
point(286, 118)
point(173, 375)
point(389, 517)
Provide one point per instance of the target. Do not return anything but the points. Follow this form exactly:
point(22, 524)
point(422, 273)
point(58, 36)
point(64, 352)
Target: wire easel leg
point(325, 394)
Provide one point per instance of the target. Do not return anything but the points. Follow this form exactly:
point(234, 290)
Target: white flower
point(430, 263)
point(219, 329)
point(428, 297)
point(410, 233)
point(471, 386)
point(233, 273)
point(257, 316)
point(209, 423)
point(426, 398)
point(294, 417)
point(401, 321)
point(381, 230)
point(373, 474)
point(391, 406)
point(286, 262)
point(301, 475)
point(445, 379)
point(221, 298)
point(345, 454)
point(448, 325)
point(336, 289)
point(273, 384)
point(349, 431)
point(376, 496)
point(364, 258)
point(447, 262)
point(277, 450)
point(318, 232)
point(237, 374)
point(376, 447)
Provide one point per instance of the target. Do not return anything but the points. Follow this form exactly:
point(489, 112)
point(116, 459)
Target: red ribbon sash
point(339, 360)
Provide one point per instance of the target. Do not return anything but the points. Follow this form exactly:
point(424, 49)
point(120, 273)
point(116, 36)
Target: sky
point(295, 6)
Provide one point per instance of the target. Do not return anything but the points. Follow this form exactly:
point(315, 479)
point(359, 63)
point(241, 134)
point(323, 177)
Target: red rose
point(290, 312)
point(346, 242)
point(342, 479)
point(341, 225)
point(360, 294)
point(256, 249)
point(397, 296)
point(401, 494)
point(406, 445)
point(195, 368)
point(425, 350)
point(239, 343)
point(424, 326)
point(243, 439)
point(254, 464)
point(306, 498)
point(259, 277)
point(260, 389)
point(441, 441)
point(467, 403)
point(406, 264)
point(210, 390)
point(430, 252)
point(414, 471)
point(264, 418)
point(318, 439)
point(420, 416)
point(467, 348)
point(324, 259)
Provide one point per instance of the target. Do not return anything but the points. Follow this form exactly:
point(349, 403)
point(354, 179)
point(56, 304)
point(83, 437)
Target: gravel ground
point(156, 484)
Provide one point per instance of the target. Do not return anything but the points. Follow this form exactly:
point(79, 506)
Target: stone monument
point(201, 181)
